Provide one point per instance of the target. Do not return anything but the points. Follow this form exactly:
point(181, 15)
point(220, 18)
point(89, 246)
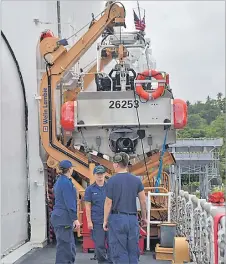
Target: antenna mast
point(138, 6)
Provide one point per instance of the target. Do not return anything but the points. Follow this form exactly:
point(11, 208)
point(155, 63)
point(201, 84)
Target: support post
point(179, 174)
point(60, 35)
point(148, 220)
point(169, 206)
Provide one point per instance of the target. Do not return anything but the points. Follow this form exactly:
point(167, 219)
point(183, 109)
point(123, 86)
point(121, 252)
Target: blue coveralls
point(123, 189)
point(96, 196)
point(63, 215)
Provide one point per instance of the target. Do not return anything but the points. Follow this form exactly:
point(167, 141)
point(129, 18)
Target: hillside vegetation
point(207, 120)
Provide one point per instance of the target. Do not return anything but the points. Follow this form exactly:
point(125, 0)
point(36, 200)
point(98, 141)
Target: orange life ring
point(161, 86)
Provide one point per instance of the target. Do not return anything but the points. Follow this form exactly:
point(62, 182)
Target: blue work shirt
point(123, 189)
point(65, 208)
point(96, 195)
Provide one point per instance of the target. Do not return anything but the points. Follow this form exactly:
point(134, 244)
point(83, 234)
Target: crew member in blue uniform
point(120, 212)
point(95, 195)
point(64, 214)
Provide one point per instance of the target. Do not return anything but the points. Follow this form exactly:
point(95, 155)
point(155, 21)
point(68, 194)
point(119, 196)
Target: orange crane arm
point(71, 95)
point(90, 77)
point(59, 61)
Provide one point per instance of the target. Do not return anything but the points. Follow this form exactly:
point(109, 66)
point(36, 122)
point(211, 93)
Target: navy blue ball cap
point(65, 164)
point(99, 170)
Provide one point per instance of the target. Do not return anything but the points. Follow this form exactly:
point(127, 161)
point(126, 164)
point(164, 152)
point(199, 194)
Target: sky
point(188, 42)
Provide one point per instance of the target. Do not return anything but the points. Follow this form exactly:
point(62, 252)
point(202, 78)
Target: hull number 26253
point(124, 104)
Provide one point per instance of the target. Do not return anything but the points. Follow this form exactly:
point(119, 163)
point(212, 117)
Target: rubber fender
point(180, 111)
point(216, 222)
point(68, 116)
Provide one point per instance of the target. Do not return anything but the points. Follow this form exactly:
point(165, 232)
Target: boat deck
point(47, 256)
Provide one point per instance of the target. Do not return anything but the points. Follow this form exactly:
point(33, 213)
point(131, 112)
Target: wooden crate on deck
point(163, 253)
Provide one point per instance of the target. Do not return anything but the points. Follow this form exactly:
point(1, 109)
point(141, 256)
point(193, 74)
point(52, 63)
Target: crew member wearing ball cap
point(64, 214)
point(95, 195)
point(121, 194)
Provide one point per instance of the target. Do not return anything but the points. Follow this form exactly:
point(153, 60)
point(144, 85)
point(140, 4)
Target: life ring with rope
point(161, 86)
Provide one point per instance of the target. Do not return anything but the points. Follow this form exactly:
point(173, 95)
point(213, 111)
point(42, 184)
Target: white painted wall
point(23, 33)
point(79, 14)
point(13, 170)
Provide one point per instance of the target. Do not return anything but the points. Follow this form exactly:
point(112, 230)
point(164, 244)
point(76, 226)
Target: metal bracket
point(40, 170)
point(38, 184)
point(36, 21)
point(149, 81)
point(38, 97)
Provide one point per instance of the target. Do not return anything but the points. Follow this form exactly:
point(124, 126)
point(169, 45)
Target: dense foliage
point(207, 120)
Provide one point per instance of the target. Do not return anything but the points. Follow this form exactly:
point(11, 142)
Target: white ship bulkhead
point(18, 181)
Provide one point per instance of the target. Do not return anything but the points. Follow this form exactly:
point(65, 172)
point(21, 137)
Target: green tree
point(220, 101)
point(219, 96)
point(196, 121)
point(188, 103)
point(217, 127)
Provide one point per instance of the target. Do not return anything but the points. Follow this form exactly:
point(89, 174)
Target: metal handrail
point(149, 222)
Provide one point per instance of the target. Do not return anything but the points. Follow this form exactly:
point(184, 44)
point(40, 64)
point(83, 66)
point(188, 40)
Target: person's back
point(64, 207)
point(125, 191)
point(64, 214)
point(122, 191)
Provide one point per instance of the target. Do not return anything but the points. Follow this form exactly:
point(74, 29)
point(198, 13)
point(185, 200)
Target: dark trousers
point(65, 248)
point(124, 238)
point(100, 238)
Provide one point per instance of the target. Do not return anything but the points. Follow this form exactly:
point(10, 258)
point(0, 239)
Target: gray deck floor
point(47, 256)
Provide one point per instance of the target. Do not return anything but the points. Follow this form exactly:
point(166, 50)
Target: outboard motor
point(123, 140)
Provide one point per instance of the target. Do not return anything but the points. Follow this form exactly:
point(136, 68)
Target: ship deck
point(47, 256)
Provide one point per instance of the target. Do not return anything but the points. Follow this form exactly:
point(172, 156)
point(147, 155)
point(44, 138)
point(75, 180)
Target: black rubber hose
point(21, 79)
